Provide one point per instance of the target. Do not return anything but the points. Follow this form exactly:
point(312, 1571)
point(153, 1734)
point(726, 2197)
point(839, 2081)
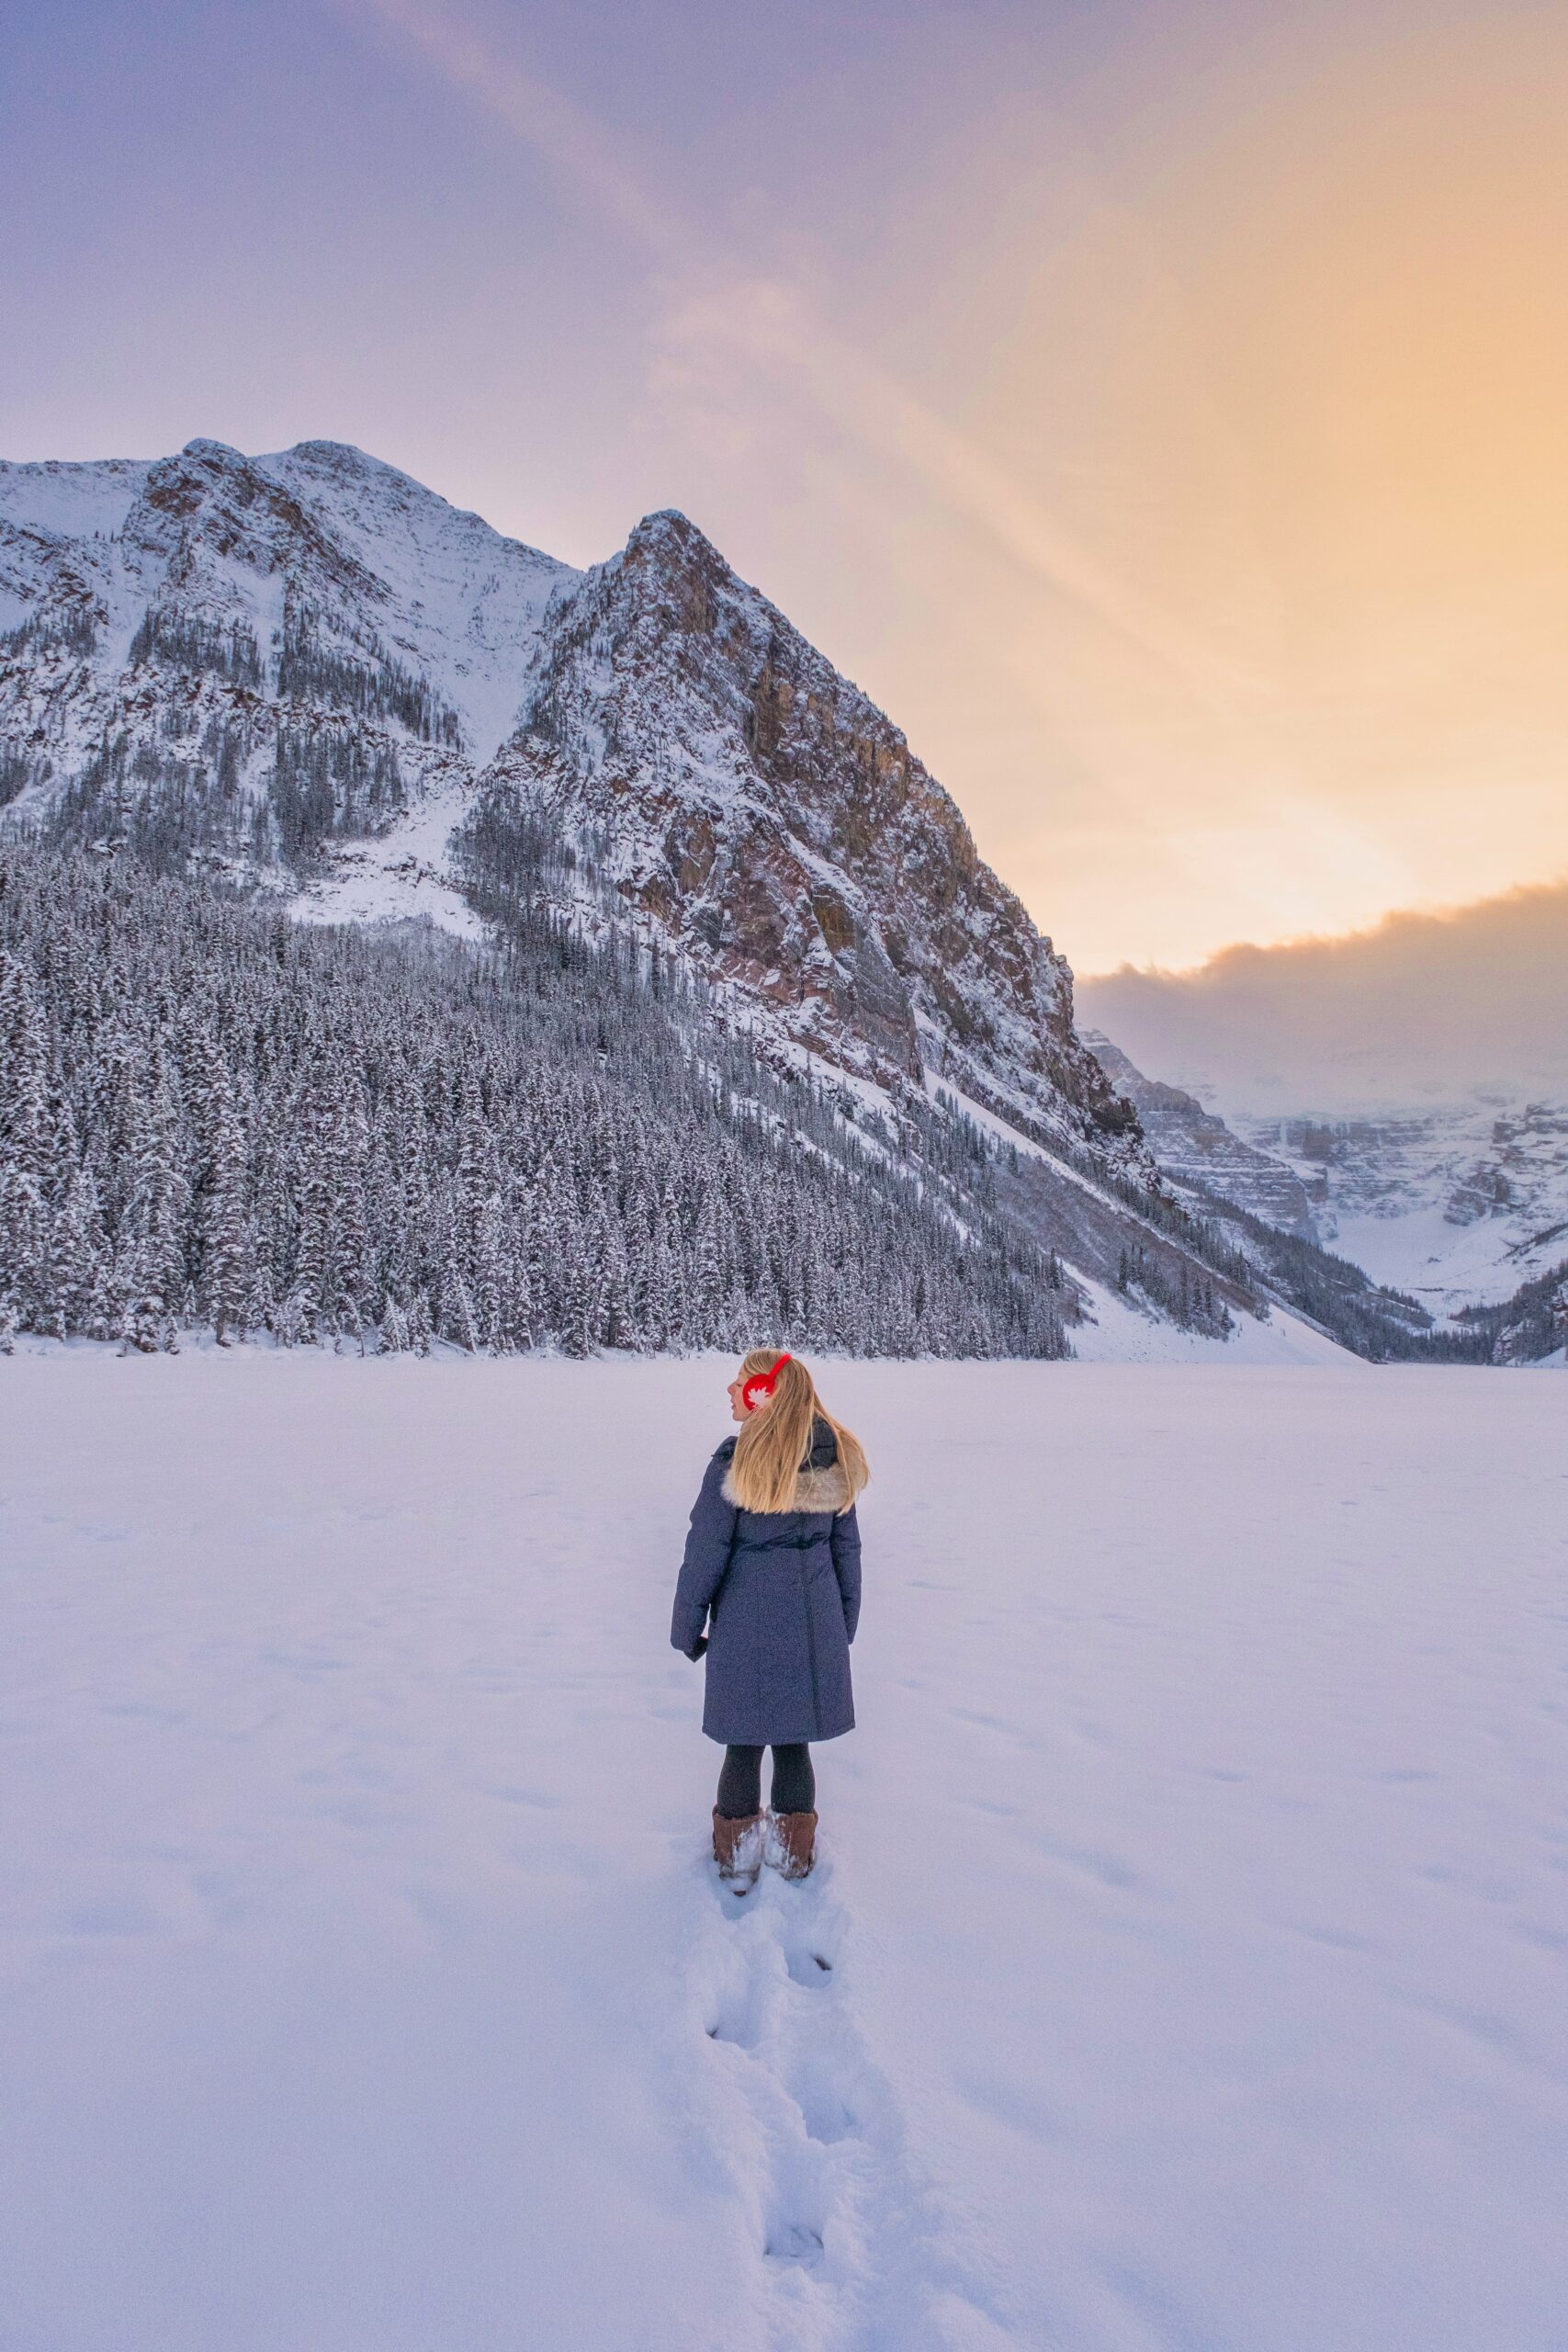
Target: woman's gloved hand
point(698, 1646)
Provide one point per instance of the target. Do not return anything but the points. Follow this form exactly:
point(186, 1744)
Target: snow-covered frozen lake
point(1194, 1904)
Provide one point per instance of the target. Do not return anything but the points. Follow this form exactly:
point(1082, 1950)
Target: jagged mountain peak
point(325, 467)
point(667, 524)
point(691, 585)
point(211, 506)
point(308, 659)
point(757, 807)
point(758, 810)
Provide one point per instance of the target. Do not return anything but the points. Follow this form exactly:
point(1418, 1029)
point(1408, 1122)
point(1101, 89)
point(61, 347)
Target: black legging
point(740, 1781)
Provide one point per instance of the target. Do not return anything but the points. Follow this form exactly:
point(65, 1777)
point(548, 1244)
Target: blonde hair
point(776, 1438)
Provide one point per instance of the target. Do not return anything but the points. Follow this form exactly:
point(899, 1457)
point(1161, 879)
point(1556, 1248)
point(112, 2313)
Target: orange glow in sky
point(1162, 412)
point(1188, 474)
point(1332, 439)
point(1300, 386)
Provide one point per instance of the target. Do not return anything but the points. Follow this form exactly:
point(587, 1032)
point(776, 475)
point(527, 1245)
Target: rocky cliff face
point(1199, 1154)
point(753, 807)
point(1460, 1203)
point(261, 659)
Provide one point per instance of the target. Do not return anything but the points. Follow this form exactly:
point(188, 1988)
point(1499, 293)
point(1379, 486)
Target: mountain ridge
point(305, 671)
point(782, 831)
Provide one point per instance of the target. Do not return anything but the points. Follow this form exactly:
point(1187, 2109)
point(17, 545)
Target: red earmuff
point(761, 1385)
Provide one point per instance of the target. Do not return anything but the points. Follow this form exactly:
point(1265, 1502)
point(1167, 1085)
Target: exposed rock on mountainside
point(770, 818)
point(1461, 1203)
point(1198, 1153)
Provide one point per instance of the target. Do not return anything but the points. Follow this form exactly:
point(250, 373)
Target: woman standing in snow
point(772, 1564)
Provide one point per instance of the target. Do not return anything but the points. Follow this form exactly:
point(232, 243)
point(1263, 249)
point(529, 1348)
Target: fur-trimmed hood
point(821, 1483)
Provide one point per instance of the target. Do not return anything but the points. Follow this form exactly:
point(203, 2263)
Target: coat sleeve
point(707, 1556)
point(846, 1567)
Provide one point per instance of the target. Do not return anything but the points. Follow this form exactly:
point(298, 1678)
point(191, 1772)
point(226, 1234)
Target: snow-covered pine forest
point(212, 1116)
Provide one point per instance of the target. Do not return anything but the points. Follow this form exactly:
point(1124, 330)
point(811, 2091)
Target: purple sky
point(1157, 408)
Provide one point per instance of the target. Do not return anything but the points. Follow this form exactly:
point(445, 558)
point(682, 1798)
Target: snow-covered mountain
point(758, 809)
point(320, 546)
point(1464, 1210)
point(1266, 1211)
point(1412, 1079)
point(1199, 1154)
point(262, 658)
point(308, 671)
point(1458, 1205)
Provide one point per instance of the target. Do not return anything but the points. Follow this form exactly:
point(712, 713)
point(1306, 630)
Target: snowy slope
point(402, 875)
point(1454, 1204)
point(192, 607)
point(54, 499)
point(469, 603)
point(1114, 1330)
point(1192, 1901)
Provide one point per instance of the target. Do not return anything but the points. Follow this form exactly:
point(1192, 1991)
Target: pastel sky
point(1161, 409)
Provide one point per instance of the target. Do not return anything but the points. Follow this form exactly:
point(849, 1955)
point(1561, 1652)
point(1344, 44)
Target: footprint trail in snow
point(851, 2252)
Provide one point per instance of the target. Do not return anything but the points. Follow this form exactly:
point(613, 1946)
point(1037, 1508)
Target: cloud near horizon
point(1424, 1006)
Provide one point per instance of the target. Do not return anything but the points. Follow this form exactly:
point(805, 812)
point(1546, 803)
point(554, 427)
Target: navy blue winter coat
point(781, 1594)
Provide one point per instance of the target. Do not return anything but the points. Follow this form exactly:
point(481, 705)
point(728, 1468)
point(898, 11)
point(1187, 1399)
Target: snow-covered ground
point(400, 875)
point(1194, 1907)
point(1116, 1331)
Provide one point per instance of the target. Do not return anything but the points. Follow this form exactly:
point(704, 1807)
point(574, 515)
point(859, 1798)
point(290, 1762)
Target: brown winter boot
point(738, 1848)
point(792, 1843)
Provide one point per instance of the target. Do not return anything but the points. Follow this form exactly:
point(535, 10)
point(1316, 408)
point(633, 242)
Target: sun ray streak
point(715, 300)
